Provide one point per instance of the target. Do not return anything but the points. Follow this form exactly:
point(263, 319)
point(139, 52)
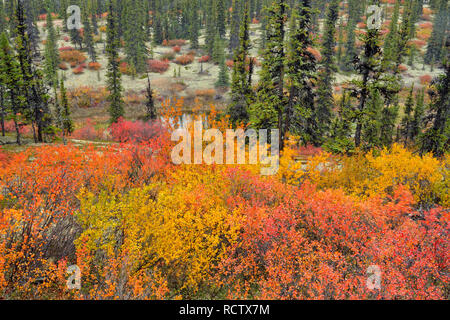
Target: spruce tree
point(220, 18)
point(235, 26)
point(134, 34)
point(300, 115)
point(150, 103)
point(194, 25)
point(34, 90)
point(435, 46)
point(51, 53)
point(419, 110)
point(64, 121)
point(437, 137)
point(350, 51)
point(325, 101)
point(88, 36)
point(116, 108)
point(373, 85)
point(407, 121)
point(11, 82)
point(240, 87)
point(223, 79)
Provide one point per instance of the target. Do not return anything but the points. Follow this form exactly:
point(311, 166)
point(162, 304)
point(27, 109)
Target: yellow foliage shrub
point(372, 175)
point(180, 229)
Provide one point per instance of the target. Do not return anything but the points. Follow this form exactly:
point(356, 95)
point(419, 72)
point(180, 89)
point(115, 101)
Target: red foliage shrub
point(78, 70)
point(402, 68)
point(66, 48)
point(128, 131)
point(176, 49)
point(425, 79)
point(87, 132)
point(124, 68)
point(158, 66)
point(204, 59)
point(229, 63)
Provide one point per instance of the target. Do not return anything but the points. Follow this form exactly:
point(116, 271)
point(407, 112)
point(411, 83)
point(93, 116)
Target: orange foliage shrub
point(78, 70)
point(72, 56)
point(87, 97)
point(205, 93)
point(184, 59)
point(94, 66)
point(63, 66)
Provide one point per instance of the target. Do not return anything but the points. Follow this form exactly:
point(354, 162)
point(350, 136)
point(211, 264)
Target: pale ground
point(190, 74)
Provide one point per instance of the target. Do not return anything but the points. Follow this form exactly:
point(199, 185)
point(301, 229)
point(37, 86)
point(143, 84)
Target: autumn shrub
point(78, 70)
point(158, 66)
point(176, 49)
point(63, 66)
point(126, 131)
point(167, 56)
point(87, 97)
point(72, 56)
point(176, 42)
point(373, 175)
point(124, 68)
point(205, 93)
point(425, 79)
point(94, 66)
point(204, 59)
point(184, 59)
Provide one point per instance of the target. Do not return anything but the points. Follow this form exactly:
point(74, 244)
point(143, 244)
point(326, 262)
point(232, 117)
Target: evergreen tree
point(3, 24)
point(300, 116)
point(241, 90)
point(408, 118)
point(341, 128)
point(116, 109)
point(325, 101)
point(220, 19)
point(51, 53)
point(437, 137)
point(435, 46)
point(210, 27)
point(64, 121)
point(194, 25)
point(88, 36)
point(38, 111)
point(267, 111)
point(392, 36)
point(134, 34)
point(419, 110)
point(350, 51)
point(223, 79)
point(150, 103)
point(11, 82)
point(373, 85)
point(235, 26)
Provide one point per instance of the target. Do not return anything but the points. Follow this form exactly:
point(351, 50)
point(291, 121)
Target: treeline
point(295, 88)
